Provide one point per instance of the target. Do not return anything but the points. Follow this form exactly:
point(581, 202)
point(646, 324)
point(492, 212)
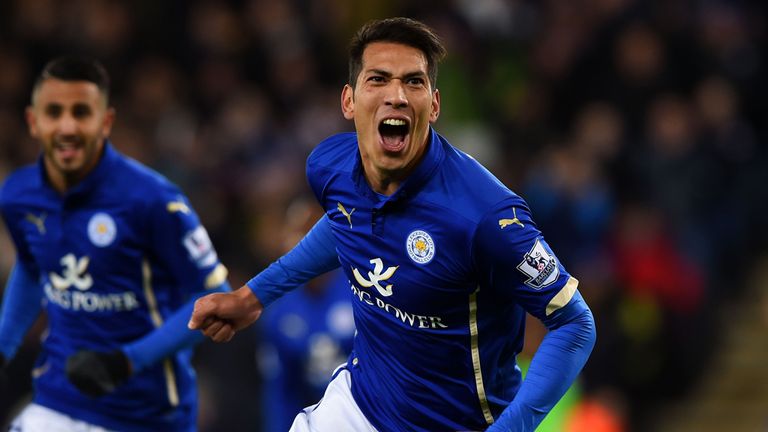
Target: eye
point(81, 111)
point(376, 79)
point(415, 81)
point(53, 111)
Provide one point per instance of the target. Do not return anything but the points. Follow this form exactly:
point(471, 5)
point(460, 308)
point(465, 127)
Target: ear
point(31, 117)
point(348, 102)
point(435, 113)
point(109, 120)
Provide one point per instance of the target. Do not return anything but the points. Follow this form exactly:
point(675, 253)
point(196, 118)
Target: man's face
point(392, 104)
point(71, 120)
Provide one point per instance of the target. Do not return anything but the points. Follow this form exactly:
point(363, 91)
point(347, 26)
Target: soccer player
point(117, 256)
point(443, 262)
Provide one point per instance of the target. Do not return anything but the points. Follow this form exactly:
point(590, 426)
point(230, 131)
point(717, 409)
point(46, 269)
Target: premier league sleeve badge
point(540, 266)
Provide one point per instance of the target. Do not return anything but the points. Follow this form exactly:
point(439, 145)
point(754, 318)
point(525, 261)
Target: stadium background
point(635, 129)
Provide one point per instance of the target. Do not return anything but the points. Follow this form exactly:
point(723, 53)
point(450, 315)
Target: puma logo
point(345, 213)
point(503, 223)
point(39, 222)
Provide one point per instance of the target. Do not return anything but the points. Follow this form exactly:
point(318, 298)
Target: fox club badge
point(420, 247)
point(102, 229)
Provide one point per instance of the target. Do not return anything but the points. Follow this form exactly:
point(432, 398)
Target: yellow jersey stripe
point(564, 296)
point(170, 383)
point(157, 320)
point(473, 332)
point(216, 277)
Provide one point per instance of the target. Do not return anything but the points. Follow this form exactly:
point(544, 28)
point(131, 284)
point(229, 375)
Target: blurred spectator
point(303, 339)
point(572, 202)
point(305, 335)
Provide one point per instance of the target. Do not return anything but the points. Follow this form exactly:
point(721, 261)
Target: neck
point(56, 178)
point(385, 185)
point(386, 182)
point(63, 181)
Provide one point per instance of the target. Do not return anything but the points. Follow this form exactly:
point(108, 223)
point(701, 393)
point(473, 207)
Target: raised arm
point(221, 315)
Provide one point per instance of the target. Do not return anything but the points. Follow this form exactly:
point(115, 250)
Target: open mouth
point(394, 133)
point(68, 148)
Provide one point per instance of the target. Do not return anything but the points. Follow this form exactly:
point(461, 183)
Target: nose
point(396, 96)
point(67, 125)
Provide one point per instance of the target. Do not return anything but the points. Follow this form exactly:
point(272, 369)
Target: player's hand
point(221, 315)
point(97, 373)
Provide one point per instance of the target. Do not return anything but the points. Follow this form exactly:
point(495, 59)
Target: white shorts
point(37, 418)
point(336, 411)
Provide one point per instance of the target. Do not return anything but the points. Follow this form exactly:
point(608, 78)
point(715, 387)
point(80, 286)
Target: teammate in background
point(305, 335)
point(117, 256)
point(442, 258)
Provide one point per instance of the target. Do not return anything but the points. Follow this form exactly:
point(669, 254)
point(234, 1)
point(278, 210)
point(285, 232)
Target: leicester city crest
point(420, 247)
point(102, 229)
point(540, 266)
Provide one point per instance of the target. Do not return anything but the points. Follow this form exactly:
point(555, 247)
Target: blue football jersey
point(115, 256)
point(441, 273)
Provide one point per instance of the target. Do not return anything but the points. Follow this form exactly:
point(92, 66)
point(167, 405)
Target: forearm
point(173, 335)
point(22, 303)
point(554, 367)
point(314, 255)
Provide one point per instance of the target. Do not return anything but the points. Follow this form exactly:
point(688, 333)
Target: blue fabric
point(441, 273)
point(115, 257)
point(314, 255)
point(557, 362)
point(172, 336)
point(303, 337)
point(444, 268)
point(21, 306)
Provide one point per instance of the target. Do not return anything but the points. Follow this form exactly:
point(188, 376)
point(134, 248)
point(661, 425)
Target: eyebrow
point(389, 74)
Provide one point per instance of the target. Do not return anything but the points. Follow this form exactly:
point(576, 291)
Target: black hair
point(75, 68)
point(400, 30)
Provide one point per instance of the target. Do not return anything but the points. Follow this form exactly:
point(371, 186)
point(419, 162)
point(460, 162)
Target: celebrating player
point(442, 259)
point(116, 254)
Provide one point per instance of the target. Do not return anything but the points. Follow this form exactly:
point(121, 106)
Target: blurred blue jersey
point(442, 273)
point(304, 336)
point(115, 256)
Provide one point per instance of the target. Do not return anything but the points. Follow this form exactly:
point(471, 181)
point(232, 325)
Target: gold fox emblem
point(39, 222)
point(345, 213)
point(503, 223)
point(376, 276)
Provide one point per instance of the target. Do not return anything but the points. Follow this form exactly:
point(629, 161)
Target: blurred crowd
point(636, 130)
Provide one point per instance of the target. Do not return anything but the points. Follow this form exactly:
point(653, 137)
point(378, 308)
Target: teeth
point(67, 143)
point(394, 122)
